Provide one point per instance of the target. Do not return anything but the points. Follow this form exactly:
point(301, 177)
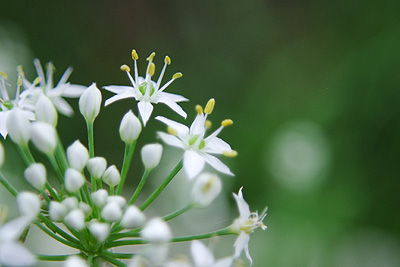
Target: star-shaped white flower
point(7, 104)
point(245, 225)
point(54, 93)
point(198, 147)
point(146, 91)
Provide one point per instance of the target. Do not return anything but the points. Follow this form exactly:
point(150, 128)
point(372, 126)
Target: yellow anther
point(172, 131)
point(125, 68)
point(226, 122)
point(151, 69)
point(3, 74)
point(19, 81)
point(20, 69)
point(230, 154)
point(135, 55)
point(167, 60)
point(150, 58)
point(210, 106)
point(36, 81)
point(208, 124)
point(177, 75)
point(199, 109)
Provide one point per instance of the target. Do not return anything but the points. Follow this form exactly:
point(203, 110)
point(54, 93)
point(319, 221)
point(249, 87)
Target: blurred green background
point(312, 87)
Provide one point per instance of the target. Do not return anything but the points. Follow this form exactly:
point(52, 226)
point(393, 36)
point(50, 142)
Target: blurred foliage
point(267, 63)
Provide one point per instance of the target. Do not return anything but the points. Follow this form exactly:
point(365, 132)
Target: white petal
point(145, 110)
point(123, 95)
point(74, 90)
point(170, 140)
point(193, 163)
point(176, 98)
point(182, 130)
point(13, 229)
point(243, 207)
point(242, 243)
point(197, 127)
point(225, 262)
point(216, 146)
point(202, 256)
point(62, 106)
point(117, 89)
point(217, 164)
point(174, 106)
point(14, 254)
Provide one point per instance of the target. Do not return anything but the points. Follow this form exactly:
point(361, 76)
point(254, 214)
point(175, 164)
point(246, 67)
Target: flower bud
point(156, 231)
point(35, 174)
point(77, 155)
point(121, 201)
point(28, 204)
point(87, 210)
point(99, 230)
point(151, 155)
point(96, 166)
point(206, 189)
point(75, 261)
point(75, 219)
point(45, 111)
point(111, 176)
point(89, 103)
point(44, 137)
point(111, 212)
point(130, 128)
point(133, 218)
point(18, 127)
point(74, 180)
point(71, 203)
point(57, 211)
point(100, 197)
point(2, 156)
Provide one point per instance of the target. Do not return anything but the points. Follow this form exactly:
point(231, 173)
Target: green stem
point(8, 186)
point(26, 155)
point(178, 212)
point(158, 191)
point(60, 156)
point(89, 125)
point(108, 256)
point(56, 237)
point(57, 168)
point(56, 229)
point(53, 257)
point(129, 149)
point(51, 191)
point(139, 187)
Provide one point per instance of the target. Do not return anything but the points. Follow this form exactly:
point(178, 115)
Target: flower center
point(143, 86)
point(193, 140)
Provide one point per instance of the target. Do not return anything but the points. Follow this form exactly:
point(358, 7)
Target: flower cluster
point(86, 210)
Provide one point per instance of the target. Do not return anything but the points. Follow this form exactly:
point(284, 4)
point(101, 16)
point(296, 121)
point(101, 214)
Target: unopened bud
point(57, 211)
point(151, 155)
point(28, 204)
point(18, 127)
point(206, 189)
point(45, 111)
point(111, 212)
point(156, 231)
point(77, 155)
point(71, 203)
point(90, 102)
point(74, 180)
point(111, 176)
point(96, 166)
point(130, 128)
point(100, 231)
point(133, 218)
point(44, 137)
point(100, 197)
point(35, 174)
point(75, 219)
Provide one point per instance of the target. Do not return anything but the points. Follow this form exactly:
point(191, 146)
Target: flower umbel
point(198, 147)
point(147, 91)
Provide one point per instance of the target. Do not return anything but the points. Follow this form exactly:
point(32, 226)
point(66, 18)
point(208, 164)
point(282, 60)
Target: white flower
point(96, 166)
point(75, 261)
point(54, 93)
point(45, 110)
point(99, 230)
point(7, 104)
point(133, 217)
point(28, 204)
point(245, 225)
point(100, 197)
point(197, 147)
point(203, 257)
point(57, 211)
point(111, 212)
point(151, 155)
point(44, 137)
point(18, 126)
point(156, 231)
point(206, 188)
point(74, 180)
point(111, 176)
point(35, 174)
point(75, 219)
point(77, 155)
point(147, 91)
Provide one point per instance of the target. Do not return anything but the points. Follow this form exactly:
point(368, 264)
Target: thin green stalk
point(89, 199)
point(57, 169)
point(129, 149)
point(139, 187)
point(56, 237)
point(158, 191)
point(178, 212)
point(8, 186)
point(56, 229)
point(90, 138)
point(53, 257)
point(110, 258)
point(26, 155)
point(51, 191)
point(60, 156)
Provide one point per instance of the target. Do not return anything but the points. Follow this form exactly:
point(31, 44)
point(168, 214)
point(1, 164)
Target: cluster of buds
point(86, 210)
